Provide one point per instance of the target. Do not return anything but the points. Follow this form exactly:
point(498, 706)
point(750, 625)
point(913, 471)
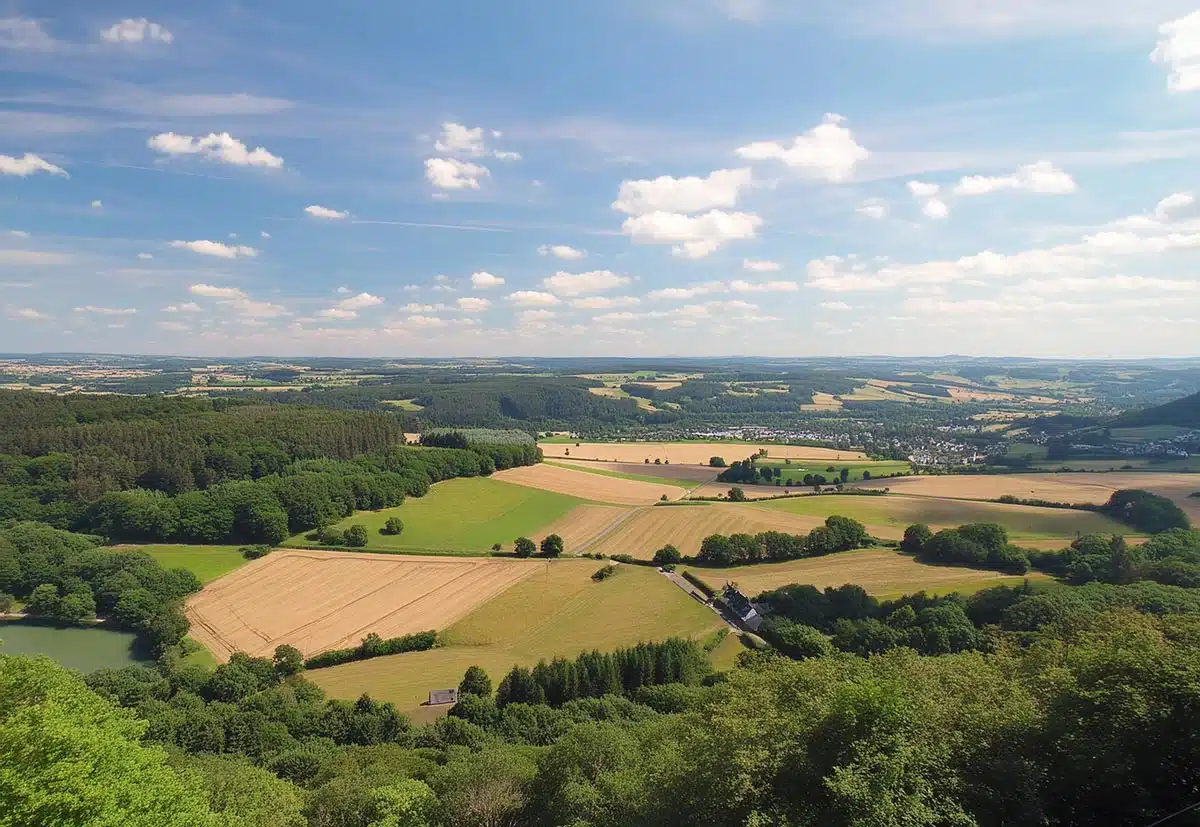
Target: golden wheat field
point(688, 453)
point(589, 486)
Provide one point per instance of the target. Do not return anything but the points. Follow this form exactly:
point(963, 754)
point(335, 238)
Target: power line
point(1165, 819)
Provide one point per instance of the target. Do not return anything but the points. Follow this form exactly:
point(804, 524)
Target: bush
point(255, 552)
point(392, 527)
point(737, 495)
point(524, 547)
point(374, 646)
point(552, 546)
point(717, 462)
point(356, 536)
point(708, 590)
point(604, 573)
point(667, 555)
point(329, 537)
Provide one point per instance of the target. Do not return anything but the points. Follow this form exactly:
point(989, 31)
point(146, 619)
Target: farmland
point(597, 487)
point(558, 611)
point(796, 470)
point(463, 516)
point(206, 562)
point(887, 516)
point(642, 473)
point(688, 453)
point(883, 573)
point(317, 600)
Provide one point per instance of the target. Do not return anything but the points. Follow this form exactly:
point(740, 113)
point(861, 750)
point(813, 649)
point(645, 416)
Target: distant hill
point(1182, 413)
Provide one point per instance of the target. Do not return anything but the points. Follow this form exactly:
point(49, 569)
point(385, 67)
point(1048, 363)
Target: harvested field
point(587, 522)
point(887, 516)
point(688, 453)
point(319, 600)
point(823, 402)
point(1093, 488)
point(686, 473)
point(753, 492)
point(649, 529)
point(589, 486)
point(970, 395)
point(559, 611)
point(880, 572)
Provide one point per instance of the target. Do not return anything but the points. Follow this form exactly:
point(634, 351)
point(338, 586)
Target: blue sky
point(682, 177)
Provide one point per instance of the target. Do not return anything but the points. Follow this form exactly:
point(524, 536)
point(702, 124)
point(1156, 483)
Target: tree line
point(838, 534)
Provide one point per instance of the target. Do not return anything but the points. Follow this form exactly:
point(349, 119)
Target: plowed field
point(318, 600)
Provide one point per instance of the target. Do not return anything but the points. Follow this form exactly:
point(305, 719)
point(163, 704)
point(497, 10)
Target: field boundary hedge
point(373, 646)
point(699, 584)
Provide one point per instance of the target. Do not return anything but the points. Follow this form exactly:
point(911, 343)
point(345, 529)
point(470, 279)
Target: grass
point(560, 612)
point(688, 484)
point(206, 562)
point(1026, 449)
point(1174, 465)
point(884, 573)
point(463, 516)
point(404, 404)
point(798, 468)
point(1022, 522)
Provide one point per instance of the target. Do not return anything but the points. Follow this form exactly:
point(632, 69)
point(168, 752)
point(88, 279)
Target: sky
point(613, 178)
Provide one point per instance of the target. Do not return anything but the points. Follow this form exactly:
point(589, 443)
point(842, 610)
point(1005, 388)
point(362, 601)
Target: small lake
point(85, 648)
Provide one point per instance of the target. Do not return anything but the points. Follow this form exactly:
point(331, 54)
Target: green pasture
point(464, 516)
point(206, 562)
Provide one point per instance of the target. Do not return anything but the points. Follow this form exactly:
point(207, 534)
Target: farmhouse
point(741, 606)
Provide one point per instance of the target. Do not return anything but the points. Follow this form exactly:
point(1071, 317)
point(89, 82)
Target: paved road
point(730, 619)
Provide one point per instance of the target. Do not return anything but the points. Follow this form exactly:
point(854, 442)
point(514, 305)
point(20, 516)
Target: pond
point(85, 648)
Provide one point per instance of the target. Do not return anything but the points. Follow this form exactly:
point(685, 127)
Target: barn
point(442, 697)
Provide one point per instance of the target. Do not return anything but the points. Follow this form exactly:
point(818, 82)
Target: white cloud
point(27, 165)
point(223, 148)
point(1179, 49)
point(426, 321)
point(452, 174)
point(107, 311)
point(97, 204)
point(527, 316)
point(827, 151)
point(739, 286)
point(137, 31)
point(413, 307)
point(873, 208)
point(18, 233)
point(216, 248)
point(604, 302)
point(457, 139)
point(23, 34)
point(935, 208)
point(317, 211)
point(26, 313)
point(694, 237)
point(145, 256)
point(483, 280)
point(1141, 284)
point(675, 293)
point(533, 298)
point(1041, 177)
point(579, 284)
point(348, 308)
point(506, 155)
point(922, 189)
point(213, 292)
point(184, 307)
point(760, 266)
point(1178, 201)
point(837, 307)
point(562, 251)
point(472, 304)
point(721, 188)
point(264, 234)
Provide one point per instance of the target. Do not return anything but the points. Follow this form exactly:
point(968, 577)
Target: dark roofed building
point(740, 605)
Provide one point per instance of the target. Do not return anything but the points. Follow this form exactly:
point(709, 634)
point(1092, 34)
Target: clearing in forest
point(206, 562)
point(688, 453)
point(319, 600)
point(597, 487)
point(882, 572)
point(466, 515)
point(559, 611)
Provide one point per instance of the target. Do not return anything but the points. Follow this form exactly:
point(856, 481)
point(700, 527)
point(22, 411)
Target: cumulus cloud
point(317, 211)
point(760, 266)
point(562, 251)
point(693, 237)
point(676, 293)
point(1041, 177)
point(18, 234)
point(107, 311)
point(484, 280)
point(472, 304)
point(533, 298)
point(1179, 49)
point(97, 204)
point(923, 189)
point(580, 284)
point(453, 174)
point(222, 148)
point(213, 292)
point(873, 208)
point(239, 302)
point(216, 248)
point(604, 302)
point(145, 256)
point(23, 34)
point(935, 208)
point(27, 165)
point(1172, 203)
point(137, 31)
point(527, 316)
point(460, 140)
point(838, 307)
point(926, 193)
point(184, 307)
point(721, 188)
point(828, 151)
point(348, 308)
point(739, 286)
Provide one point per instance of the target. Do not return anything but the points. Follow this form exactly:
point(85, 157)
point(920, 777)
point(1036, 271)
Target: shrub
point(604, 573)
point(708, 590)
point(392, 527)
point(255, 552)
point(356, 536)
point(374, 646)
point(717, 462)
point(737, 495)
point(329, 537)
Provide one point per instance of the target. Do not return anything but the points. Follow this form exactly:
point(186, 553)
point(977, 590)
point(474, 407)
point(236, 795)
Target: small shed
point(441, 697)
